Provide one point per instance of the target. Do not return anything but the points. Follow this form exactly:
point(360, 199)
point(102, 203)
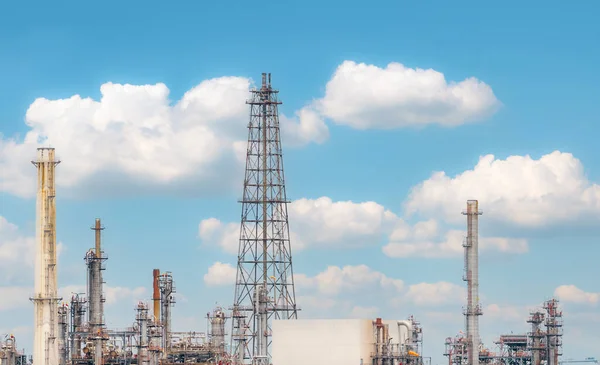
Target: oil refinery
point(264, 324)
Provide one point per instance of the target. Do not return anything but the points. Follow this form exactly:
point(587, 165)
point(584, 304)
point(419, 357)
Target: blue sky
point(536, 64)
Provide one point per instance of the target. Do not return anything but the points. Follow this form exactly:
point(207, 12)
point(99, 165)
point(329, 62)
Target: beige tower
point(45, 300)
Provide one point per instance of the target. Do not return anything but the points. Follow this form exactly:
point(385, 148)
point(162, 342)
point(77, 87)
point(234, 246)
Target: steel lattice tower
point(264, 287)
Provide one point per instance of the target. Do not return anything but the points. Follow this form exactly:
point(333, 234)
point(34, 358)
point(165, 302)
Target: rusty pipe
point(156, 295)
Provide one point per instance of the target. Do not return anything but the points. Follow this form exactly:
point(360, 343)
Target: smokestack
point(156, 294)
point(45, 300)
point(98, 228)
point(473, 310)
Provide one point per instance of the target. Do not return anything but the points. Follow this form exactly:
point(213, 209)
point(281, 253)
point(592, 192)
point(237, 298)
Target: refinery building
point(264, 324)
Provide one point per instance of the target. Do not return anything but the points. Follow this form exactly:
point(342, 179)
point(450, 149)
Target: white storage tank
point(322, 342)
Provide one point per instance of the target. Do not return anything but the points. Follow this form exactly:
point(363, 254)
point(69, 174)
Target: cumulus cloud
point(17, 251)
point(335, 280)
point(220, 274)
point(450, 246)
point(307, 126)
point(324, 222)
point(331, 282)
point(212, 231)
point(493, 315)
point(112, 294)
point(506, 312)
point(573, 294)
point(345, 224)
point(315, 222)
point(118, 294)
point(366, 96)
point(324, 290)
point(519, 190)
point(13, 297)
point(435, 294)
point(137, 140)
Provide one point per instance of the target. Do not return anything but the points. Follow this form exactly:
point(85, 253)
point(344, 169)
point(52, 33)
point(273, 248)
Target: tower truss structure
point(264, 287)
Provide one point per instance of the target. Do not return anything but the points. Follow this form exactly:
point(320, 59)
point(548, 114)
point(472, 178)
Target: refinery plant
point(264, 324)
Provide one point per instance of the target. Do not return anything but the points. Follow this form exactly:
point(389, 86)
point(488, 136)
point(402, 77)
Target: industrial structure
point(471, 276)
point(348, 341)
point(45, 299)
point(539, 346)
point(265, 328)
point(264, 287)
point(9, 353)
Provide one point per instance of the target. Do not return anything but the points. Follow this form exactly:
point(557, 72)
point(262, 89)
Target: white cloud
point(435, 294)
point(571, 293)
point(335, 280)
point(119, 294)
point(212, 231)
point(307, 126)
point(451, 245)
point(345, 224)
point(342, 292)
point(366, 96)
point(315, 222)
point(220, 274)
point(506, 313)
point(13, 297)
point(323, 222)
point(518, 190)
point(17, 251)
point(112, 294)
point(135, 134)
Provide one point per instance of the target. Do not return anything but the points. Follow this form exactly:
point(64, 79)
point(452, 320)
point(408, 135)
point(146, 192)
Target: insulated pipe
point(409, 329)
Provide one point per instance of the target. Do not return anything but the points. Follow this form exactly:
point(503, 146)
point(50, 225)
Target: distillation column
point(217, 332)
point(142, 318)
point(77, 316)
point(155, 335)
point(535, 344)
point(94, 260)
point(45, 300)
point(553, 331)
point(167, 300)
point(63, 323)
point(156, 295)
point(473, 310)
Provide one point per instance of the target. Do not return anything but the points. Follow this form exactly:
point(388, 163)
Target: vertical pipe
point(473, 310)
point(156, 295)
point(262, 341)
point(62, 334)
point(98, 228)
point(96, 311)
point(45, 348)
point(265, 183)
point(142, 318)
